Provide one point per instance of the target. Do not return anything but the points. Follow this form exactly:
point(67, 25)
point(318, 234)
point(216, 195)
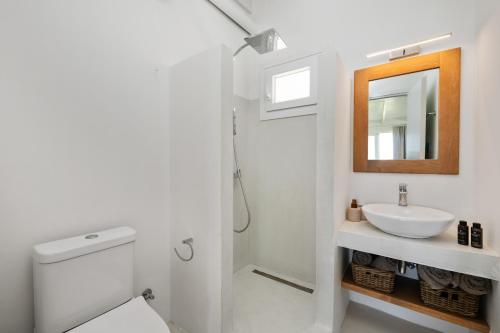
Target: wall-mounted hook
point(188, 242)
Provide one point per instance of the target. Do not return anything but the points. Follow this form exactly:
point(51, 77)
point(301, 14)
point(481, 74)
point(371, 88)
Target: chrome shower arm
point(240, 49)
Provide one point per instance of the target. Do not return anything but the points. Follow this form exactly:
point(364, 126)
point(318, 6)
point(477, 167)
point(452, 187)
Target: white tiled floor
point(262, 305)
point(175, 329)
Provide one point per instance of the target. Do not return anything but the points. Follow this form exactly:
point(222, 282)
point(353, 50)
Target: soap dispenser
point(463, 233)
point(354, 212)
point(476, 238)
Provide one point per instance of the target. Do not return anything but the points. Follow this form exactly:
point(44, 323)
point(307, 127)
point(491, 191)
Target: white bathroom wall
point(487, 119)
point(397, 22)
point(202, 192)
point(281, 172)
point(84, 129)
point(404, 26)
point(341, 182)
point(277, 159)
point(488, 134)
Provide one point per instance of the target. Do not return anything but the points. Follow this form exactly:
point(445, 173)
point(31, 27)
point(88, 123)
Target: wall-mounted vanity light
point(407, 50)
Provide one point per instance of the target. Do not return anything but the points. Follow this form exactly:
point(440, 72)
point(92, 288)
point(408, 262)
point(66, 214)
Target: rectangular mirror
point(402, 117)
point(407, 115)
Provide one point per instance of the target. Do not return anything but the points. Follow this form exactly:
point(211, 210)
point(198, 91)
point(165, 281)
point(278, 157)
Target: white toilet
point(84, 284)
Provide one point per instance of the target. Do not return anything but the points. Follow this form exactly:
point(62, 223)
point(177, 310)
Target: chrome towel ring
point(188, 242)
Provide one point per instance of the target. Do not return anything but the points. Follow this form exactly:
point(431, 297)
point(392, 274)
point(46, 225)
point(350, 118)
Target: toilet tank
point(79, 278)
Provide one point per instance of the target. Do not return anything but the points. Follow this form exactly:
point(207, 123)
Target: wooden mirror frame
point(447, 162)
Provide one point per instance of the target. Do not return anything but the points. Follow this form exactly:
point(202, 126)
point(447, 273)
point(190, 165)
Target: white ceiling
point(246, 4)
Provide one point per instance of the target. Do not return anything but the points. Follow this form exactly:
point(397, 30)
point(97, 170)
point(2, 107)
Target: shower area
point(255, 193)
point(274, 187)
point(255, 200)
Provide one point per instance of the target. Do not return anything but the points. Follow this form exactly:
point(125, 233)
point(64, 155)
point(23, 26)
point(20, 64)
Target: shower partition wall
point(201, 190)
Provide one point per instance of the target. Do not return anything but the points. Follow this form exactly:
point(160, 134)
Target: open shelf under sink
point(407, 295)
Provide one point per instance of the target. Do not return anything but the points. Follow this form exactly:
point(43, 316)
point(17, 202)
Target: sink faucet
point(403, 194)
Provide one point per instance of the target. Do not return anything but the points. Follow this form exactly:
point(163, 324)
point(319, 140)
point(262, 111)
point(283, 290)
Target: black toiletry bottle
point(476, 237)
point(463, 233)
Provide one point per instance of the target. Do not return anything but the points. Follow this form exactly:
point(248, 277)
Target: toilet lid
point(132, 317)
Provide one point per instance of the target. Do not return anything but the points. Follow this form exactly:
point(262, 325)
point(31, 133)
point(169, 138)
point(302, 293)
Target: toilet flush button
point(92, 236)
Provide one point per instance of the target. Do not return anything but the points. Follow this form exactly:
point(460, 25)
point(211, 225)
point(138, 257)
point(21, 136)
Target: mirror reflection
point(403, 117)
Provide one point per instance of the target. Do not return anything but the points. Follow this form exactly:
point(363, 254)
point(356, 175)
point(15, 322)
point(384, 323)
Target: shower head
point(265, 42)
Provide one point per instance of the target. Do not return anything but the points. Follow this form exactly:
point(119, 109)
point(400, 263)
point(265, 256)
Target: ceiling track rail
point(229, 17)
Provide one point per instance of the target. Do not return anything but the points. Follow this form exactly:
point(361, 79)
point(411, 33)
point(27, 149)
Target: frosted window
point(292, 85)
point(289, 89)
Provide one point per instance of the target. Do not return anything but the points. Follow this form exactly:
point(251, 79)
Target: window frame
point(291, 108)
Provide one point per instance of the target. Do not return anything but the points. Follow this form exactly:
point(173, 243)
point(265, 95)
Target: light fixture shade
point(427, 41)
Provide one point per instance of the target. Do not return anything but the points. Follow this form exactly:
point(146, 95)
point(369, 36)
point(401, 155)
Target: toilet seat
point(135, 316)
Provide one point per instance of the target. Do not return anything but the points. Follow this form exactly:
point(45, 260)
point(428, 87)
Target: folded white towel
point(362, 258)
point(385, 264)
point(435, 277)
point(474, 285)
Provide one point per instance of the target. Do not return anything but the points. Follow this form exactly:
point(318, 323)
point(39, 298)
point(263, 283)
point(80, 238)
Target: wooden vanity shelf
point(407, 295)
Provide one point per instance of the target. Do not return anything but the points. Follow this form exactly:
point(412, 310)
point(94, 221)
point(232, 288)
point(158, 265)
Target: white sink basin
point(410, 221)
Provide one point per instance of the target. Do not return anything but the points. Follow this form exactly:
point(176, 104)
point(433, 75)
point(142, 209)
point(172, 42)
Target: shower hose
point(237, 175)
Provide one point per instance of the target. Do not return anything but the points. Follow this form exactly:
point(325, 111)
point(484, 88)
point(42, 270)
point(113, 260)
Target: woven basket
point(451, 300)
point(374, 278)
